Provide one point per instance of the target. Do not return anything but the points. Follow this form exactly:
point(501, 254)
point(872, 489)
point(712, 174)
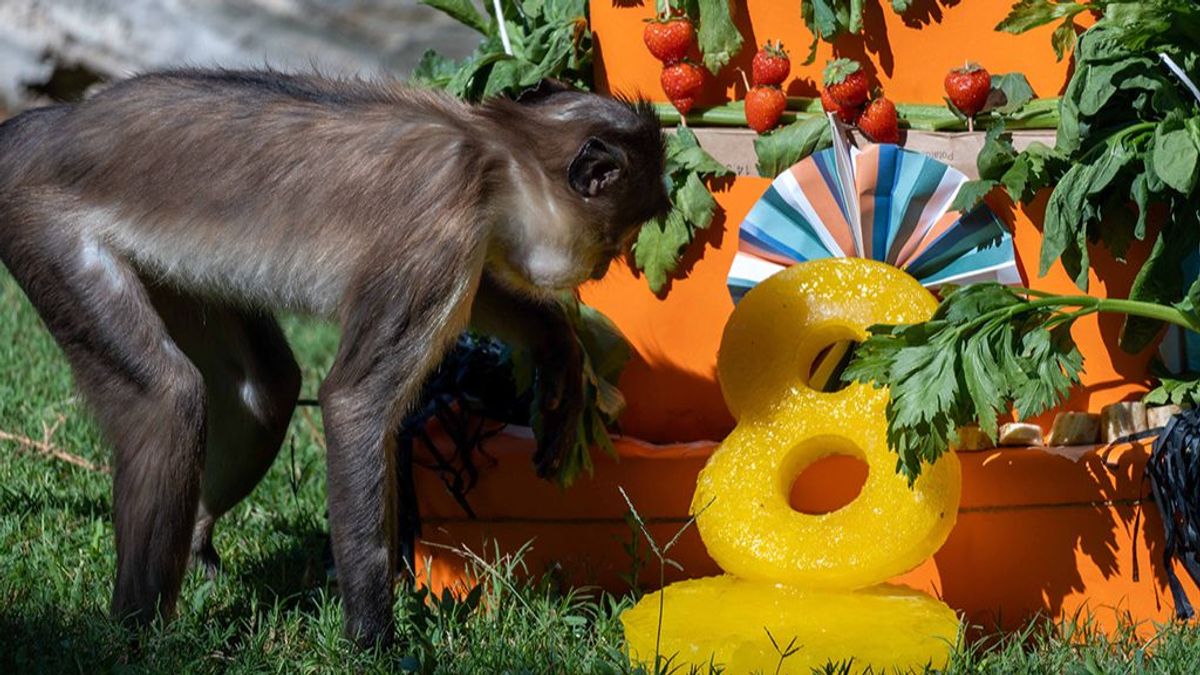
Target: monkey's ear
point(594, 168)
point(543, 89)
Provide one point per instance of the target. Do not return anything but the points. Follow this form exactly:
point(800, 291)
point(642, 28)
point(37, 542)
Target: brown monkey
point(156, 225)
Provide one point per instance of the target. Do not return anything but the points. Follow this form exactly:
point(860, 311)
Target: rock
point(1019, 434)
point(972, 438)
point(1158, 416)
point(1074, 428)
point(113, 38)
point(1121, 419)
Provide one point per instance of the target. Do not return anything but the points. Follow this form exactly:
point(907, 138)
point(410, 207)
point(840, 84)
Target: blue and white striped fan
point(884, 203)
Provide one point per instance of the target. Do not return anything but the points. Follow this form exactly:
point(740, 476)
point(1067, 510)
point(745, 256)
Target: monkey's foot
point(204, 554)
point(207, 560)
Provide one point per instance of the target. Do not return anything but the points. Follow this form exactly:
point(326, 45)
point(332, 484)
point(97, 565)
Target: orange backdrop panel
point(671, 384)
point(908, 55)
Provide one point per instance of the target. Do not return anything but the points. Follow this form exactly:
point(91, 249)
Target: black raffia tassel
point(1174, 473)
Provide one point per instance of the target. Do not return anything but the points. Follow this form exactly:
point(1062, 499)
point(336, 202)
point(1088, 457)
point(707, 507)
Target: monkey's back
point(280, 180)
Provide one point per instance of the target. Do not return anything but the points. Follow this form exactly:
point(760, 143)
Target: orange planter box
point(1039, 531)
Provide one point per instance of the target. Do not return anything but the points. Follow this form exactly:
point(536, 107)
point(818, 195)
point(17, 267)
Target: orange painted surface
point(908, 56)
point(1036, 532)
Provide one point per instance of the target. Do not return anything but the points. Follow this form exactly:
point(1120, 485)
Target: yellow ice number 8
point(783, 425)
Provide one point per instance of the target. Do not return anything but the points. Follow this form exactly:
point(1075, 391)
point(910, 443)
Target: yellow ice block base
point(724, 620)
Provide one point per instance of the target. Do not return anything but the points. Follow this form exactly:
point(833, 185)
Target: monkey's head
point(598, 178)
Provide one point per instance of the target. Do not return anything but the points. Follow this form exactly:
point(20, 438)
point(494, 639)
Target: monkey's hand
point(558, 405)
point(543, 331)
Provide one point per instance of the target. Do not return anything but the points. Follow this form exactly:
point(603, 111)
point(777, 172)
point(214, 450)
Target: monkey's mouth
point(521, 279)
point(554, 272)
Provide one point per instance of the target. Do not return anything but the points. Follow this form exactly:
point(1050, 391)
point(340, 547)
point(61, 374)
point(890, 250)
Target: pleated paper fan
point(884, 203)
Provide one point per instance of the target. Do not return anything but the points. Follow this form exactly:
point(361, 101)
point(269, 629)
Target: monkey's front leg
point(543, 330)
point(391, 340)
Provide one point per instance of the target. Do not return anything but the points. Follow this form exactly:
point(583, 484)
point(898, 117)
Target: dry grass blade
point(498, 576)
point(663, 561)
point(45, 447)
point(307, 416)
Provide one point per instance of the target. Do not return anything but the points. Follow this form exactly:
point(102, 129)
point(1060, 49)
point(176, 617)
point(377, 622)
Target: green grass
point(273, 610)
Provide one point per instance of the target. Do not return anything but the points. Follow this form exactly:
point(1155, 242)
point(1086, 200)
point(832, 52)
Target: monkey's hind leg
point(146, 395)
point(252, 381)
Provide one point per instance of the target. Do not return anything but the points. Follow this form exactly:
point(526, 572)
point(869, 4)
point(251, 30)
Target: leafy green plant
point(987, 349)
point(999, 164)
point(547, 38)
point(1129, 133)
point(661, 242)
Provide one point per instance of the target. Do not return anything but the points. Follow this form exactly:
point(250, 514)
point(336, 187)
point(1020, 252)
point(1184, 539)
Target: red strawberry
point(968, 88)
point(764, 106)
point(669, 39)
point(878, 120)
point(682, 82)
point(846, 83)
point(845, 114)
point(683, 105)
point(771, 65)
